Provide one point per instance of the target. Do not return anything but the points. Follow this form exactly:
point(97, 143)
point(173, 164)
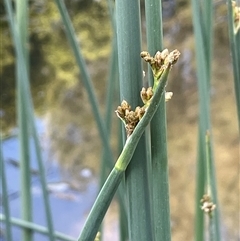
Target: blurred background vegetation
point(61, 102)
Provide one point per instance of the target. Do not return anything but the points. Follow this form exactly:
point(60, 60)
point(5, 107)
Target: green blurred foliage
point(52, 64)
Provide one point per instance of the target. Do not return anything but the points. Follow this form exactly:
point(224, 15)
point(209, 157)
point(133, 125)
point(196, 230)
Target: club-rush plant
point(125, 56)
point(135, 123)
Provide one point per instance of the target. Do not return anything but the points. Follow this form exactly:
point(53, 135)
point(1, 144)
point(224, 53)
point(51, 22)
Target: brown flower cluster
point(146, 95)
point(128, 116)
point(207, 205)
point(236, 16)
point(161, 60)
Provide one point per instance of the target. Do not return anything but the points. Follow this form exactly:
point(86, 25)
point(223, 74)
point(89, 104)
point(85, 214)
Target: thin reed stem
point(36, 228)
point(5, 200)
point(202, 20)
point(28, 111)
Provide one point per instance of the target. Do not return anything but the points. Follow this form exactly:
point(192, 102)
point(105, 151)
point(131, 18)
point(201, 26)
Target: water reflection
point(52, 64)
point(72, 135)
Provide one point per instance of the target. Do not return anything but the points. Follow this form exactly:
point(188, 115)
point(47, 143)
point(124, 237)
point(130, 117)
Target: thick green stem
point(130, 76)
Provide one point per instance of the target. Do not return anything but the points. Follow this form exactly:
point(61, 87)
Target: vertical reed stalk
point(209, 193)
point(28, 111)
point(110, 90)
point(234, 36)
point(87, 81)
point(202, 20)
point(130, 75)
point(85, 78)
point(161, 210)
point(42, 172)
point(5, 196)
point(103, 172)
point(26, 202)
point(108, 115)
point(203, 120)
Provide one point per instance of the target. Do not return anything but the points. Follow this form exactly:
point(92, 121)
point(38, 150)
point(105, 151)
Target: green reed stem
point(25, 177)
point(5, 201)
point(85, 78)
point(234, 36)
point(160, 184)
point(202, 20)
point(130, 76)
point(27, 105)
point(87, 81)
point(211, 230)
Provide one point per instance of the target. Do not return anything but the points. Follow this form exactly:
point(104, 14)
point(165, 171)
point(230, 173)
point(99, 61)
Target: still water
point(70, 197)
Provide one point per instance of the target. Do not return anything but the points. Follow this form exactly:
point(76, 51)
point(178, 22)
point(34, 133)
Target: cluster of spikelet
point(207, 205)
point(158, 63)
point(236, 16)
